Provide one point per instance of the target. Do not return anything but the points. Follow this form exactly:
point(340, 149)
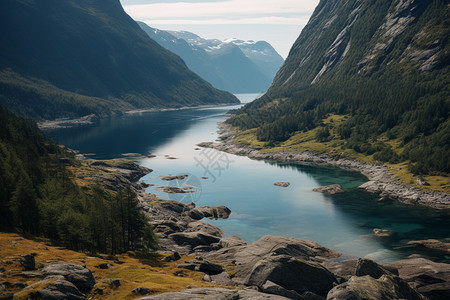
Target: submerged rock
point(282, 184)
point(330, 189)
point(384, 233)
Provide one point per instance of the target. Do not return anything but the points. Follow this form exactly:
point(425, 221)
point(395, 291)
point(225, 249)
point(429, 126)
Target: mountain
point(367, 76)
point(233, 65)
point(72, 58)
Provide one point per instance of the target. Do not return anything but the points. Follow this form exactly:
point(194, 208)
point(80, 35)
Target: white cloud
point(223, 10)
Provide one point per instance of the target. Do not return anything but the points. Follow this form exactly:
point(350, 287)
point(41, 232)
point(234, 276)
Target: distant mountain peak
point(232, 64)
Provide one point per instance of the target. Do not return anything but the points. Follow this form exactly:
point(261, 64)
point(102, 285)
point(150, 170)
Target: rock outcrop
point(330, 189)
point(52, 287)
point(367, 287)
point(215, 294)
point(80, 276)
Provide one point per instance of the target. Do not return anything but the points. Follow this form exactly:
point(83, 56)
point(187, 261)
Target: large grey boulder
point(193, 239)
point(214, 294)
point(80, 276)
point(292, 274)
point(246, 256)
point(51, 288)
point(204, 227)
point(369, 288)
point(371, 268)
point(273, 288)
point(429, 278)
point(202, 266)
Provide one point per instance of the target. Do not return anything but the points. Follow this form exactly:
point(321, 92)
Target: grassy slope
point(303, 141)
point(151, 273)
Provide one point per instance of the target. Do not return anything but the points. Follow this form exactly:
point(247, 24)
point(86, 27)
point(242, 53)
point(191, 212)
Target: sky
point(278, 22)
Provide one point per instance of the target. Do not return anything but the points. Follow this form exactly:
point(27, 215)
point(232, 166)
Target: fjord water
point(344, 221)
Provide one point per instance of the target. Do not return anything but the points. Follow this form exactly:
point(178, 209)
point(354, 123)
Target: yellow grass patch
point(153, 273)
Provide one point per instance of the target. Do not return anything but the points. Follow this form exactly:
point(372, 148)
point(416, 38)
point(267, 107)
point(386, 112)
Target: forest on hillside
point(39, 197)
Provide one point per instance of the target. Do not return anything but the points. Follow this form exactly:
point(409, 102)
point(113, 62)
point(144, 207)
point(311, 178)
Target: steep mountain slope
point(370, 76)
point(69, 58)
point(233, 65)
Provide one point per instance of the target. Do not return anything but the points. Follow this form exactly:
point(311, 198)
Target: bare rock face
point(367, 287)
point(330, 189)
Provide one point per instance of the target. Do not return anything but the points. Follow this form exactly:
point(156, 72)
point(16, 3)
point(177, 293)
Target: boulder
point(367, 287)
point(28, 262)
point(273, 288)
point(80, 276)
point(193, 239)
point(231, 241)
point(172, 257)
point(371, 268)
point(204, 227)
point(223, 279)
point(429, 278)
point(202, 266)
point(214, 294)
point(141, 291)
point(384, 233)
point(432, 244)
point(51, 288)
point(292, 274)
point(247, 255)
point(113, 283)
point(330, 189)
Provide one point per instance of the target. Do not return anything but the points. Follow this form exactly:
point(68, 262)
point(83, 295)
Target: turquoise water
point(344, 221)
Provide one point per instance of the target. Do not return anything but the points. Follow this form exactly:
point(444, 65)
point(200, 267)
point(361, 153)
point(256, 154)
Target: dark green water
point(344, 221)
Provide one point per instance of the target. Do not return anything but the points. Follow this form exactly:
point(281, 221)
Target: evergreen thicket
point(38, 196)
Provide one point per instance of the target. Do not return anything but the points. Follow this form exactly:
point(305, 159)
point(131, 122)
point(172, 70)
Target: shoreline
point(380, 182)
point(92, 118)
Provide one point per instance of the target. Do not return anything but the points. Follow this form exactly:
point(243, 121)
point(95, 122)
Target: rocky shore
point(273, 267)
point(381, 182)
point(277, 267)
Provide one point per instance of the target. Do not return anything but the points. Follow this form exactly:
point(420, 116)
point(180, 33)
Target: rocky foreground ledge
point(280, 267)
point(380, 181)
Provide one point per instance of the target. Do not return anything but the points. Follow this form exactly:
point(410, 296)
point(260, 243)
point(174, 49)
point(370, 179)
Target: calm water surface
point(344, 222)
